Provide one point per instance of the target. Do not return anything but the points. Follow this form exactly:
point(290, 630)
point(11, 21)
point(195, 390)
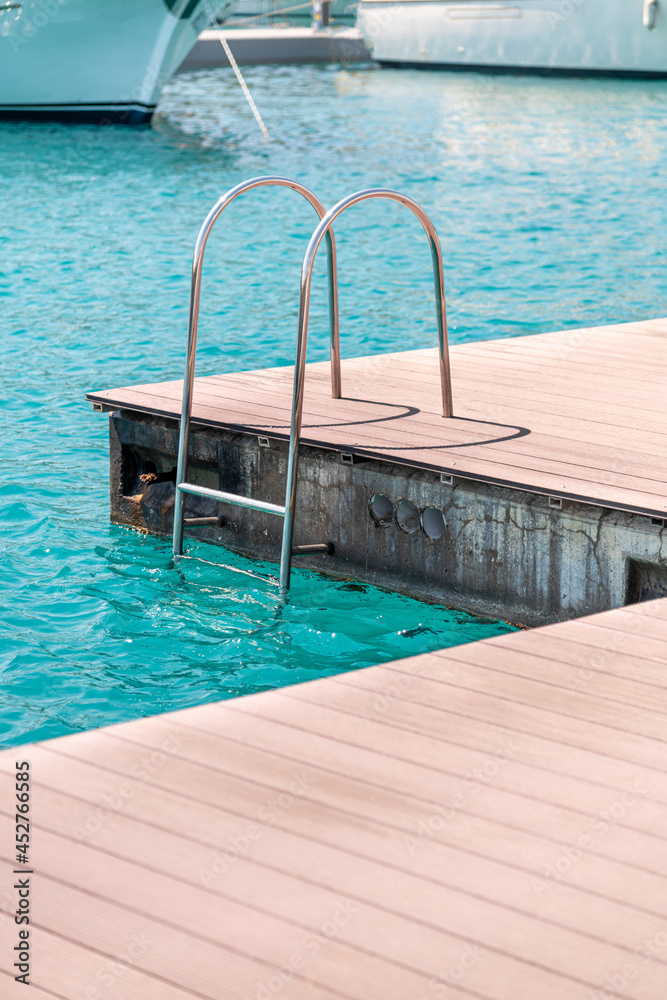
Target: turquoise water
point(549, 200)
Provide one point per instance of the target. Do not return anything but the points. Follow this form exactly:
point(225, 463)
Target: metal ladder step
point(323, 231)
point(232, 498)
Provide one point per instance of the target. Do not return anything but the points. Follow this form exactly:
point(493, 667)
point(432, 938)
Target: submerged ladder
point(323, 231)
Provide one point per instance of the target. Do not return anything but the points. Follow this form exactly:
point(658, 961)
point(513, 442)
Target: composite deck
point(580, 414)
point(486, 822)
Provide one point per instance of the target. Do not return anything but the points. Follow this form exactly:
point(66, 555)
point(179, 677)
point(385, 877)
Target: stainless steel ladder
point(323, 231)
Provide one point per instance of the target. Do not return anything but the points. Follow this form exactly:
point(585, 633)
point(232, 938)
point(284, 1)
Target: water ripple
point(549, 200)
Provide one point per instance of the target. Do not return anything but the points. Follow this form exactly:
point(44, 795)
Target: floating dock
point(547, 489)
point(483, 822)
point(277, 45)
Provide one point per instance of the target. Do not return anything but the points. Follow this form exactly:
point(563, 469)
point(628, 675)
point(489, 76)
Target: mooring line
point(239, 76)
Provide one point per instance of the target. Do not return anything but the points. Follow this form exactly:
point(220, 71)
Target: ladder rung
point(311, 550)
point(232, 498)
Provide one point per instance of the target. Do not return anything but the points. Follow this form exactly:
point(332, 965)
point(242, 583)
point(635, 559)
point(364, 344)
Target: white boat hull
point(94, 60)
point(269, 9)
point(604, 37)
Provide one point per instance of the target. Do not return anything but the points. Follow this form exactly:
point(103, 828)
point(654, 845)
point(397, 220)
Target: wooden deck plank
point(236, 401)
point(196, 959)
point(455, 909)
point(613, 674)
point(621, 625)
point(286, 896)
point(537, 473)
point(239, 398)
point(570, 800)
point(526, 386)
point(473, 802)
point(78, 971)
point(248, 928)
point(601, 707)
point(35, 994)
point(435, 749)
point(403, 812)
point(650, 609)
point(622, 632)
point(390, 372)
point(512, 715)
point(485, 377)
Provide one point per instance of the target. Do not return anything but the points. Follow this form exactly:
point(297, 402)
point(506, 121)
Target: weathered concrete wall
point(504, 553)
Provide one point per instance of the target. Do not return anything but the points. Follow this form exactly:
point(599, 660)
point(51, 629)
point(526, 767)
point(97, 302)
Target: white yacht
point(94, 60)
point(604, 37)
point(294, 10)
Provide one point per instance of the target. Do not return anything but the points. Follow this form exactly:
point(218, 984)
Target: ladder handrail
point(195, 290)
point(322, 230)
